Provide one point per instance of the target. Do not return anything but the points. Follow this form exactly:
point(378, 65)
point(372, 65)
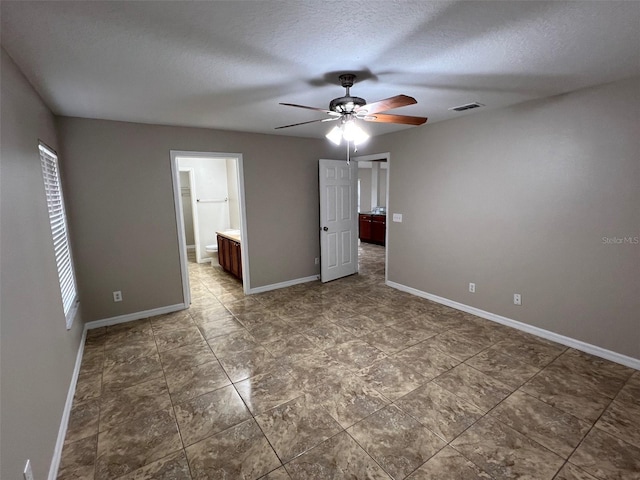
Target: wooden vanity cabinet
point(365, 227)
point(378, 229)
point(373, 228)
point(229, 256)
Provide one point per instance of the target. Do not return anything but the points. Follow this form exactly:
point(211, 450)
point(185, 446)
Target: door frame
point(194, 209)
point(177, 201)
point(368, 158)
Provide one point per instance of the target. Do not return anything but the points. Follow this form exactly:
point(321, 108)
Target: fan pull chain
point(355, 150)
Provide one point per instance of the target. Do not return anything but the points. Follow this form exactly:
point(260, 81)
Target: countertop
point(230, 234)
point(372, 213)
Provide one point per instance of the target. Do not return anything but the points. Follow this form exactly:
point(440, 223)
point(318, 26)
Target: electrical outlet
point(397, 217)
point(517, 299)
point(317, 260)
point(472, 287)
point(117, 296)
point(28, 474)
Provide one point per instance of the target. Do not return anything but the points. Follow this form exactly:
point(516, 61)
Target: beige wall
point(187, 210)
point(234, 199)
point(364, 175)
point(366, 178)
point(518, 200)
point(122, 208)
point(382, 188)
point(37, 352)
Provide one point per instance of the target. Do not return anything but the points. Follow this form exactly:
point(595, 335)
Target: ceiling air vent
point(467, 106)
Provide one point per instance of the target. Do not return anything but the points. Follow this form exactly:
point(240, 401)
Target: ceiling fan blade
point(308, 108)
point(387, 104)
point(388, 118)
point(304, 123)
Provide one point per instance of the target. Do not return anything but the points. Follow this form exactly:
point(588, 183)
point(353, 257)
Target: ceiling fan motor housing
point(346, 104)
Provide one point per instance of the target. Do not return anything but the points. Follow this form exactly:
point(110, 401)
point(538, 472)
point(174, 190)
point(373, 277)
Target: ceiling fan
point(347, 109)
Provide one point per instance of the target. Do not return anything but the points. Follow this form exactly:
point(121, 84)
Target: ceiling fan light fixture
point(335, 135)
point(353, 133)
point(360, 137)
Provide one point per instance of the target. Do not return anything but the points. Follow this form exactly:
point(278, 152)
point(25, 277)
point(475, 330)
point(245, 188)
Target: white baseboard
point(64, 423)
point(129, 317)
point(288, 283)
point(540, 332)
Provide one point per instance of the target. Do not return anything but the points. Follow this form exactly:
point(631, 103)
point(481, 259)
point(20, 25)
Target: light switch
point(397, 217)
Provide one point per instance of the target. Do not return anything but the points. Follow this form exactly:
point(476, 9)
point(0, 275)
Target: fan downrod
point(346, 104)
point(346, 80)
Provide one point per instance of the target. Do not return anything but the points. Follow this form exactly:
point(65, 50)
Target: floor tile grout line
point(282, 463)
point(565, 460)
point(253, 417)
point(371, 456)
point(498, 420)
point(173, 409)
point(448, 442)
point(191, 473)
point(553, 406)
point(515, 430)
point(75, 404)
point(594, 425)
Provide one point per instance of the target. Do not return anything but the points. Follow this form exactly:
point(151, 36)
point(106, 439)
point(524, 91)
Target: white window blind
point(59, 231)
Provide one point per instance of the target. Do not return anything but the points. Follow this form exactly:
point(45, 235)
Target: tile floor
point(347, 380)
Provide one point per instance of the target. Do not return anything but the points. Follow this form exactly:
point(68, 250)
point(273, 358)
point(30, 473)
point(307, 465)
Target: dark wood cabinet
point(365, 227)
point(229, 256)
point(373, 228)
point(378, 229)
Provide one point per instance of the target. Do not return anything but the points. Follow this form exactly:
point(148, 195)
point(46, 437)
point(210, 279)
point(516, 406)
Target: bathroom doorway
point(209, 198)
point(373, 222)
point(214, 201)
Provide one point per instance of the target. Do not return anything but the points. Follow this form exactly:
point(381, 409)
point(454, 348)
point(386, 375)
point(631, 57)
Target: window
point(59, 231)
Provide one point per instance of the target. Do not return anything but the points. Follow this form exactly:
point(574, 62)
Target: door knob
point(325, 229)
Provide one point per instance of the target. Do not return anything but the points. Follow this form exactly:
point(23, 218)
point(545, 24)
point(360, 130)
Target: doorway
point(216, 194)
point(373, 201)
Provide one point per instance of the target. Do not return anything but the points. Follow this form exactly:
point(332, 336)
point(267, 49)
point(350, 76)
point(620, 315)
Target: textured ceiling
point(227, 64)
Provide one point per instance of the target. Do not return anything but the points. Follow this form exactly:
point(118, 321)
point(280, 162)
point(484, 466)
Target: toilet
point(213, 251)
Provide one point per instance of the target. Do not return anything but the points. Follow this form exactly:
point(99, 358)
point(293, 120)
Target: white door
point(338, 219)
